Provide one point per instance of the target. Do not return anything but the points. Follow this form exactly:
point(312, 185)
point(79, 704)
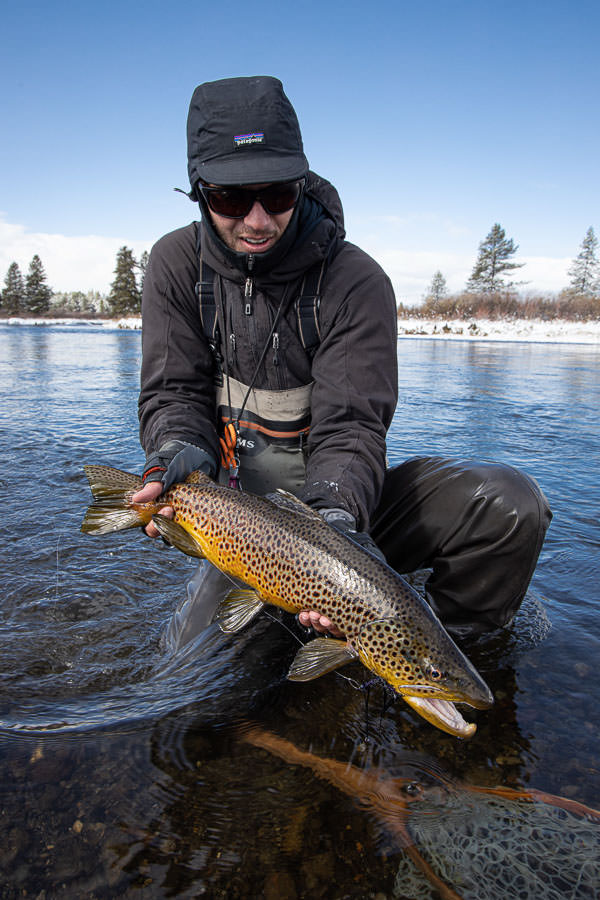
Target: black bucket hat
point(243, 131)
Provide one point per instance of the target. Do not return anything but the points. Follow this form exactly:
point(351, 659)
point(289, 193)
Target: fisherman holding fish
point(270, 362)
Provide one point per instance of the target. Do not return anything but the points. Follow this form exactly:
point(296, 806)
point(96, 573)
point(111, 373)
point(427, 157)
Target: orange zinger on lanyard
point(229, 460)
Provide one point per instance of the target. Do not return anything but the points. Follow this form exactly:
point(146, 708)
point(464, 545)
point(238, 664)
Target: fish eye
point(435, 674)
point(413, 789)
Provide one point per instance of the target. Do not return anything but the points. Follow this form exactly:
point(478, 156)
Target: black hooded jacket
point(354, 369)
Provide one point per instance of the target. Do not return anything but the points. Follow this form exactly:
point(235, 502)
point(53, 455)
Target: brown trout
point(288, 556)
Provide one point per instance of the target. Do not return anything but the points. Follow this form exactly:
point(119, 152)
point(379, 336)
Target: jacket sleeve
point(355, 389)
point(176, 399)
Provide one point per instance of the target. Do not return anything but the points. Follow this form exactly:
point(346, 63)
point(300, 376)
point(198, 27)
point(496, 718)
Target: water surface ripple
point(122, 768)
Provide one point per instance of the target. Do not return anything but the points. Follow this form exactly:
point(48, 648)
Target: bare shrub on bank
point(506, 305)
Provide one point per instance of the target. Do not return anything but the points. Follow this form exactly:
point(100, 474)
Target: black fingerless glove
point(345, 522)
point(175, 460)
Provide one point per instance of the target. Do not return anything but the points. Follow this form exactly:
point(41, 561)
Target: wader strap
point(207, 306)
point(307, 308)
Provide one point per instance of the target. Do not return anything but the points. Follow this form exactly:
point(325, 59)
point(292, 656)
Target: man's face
point(257, 232)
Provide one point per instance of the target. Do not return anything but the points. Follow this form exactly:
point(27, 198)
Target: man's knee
point(515, 504)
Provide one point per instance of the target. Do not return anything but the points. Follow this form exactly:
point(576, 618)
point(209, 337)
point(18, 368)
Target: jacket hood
point(317, 222)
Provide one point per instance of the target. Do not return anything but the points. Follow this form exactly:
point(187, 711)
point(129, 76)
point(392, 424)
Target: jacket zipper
point(249, 287)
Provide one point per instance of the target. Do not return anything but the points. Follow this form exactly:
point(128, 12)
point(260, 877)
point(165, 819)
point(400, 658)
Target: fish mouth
point(443, 714)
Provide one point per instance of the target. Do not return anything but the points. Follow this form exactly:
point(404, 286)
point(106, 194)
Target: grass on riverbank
point(505, 305)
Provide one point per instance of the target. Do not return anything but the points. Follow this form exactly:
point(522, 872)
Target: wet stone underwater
point(126, 772)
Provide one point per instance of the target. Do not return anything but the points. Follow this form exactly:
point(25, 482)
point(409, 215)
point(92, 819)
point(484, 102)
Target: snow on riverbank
point(132, 323)
point(556, 331)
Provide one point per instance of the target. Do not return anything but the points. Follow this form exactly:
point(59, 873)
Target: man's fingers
point(321, 624)
point(151, 529)
point(149, 492)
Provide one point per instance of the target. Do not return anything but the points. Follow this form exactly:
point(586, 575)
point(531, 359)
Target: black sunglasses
point(236, 202)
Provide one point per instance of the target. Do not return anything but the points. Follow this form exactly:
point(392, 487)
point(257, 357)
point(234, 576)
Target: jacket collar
point(315, 224)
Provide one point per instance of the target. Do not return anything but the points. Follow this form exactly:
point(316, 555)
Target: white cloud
point(545, 273)
point(78, 263)
point(411, 272)
point(451, 248)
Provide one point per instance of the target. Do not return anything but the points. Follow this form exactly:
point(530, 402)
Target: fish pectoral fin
point(176, 535)
point(285, 500)
point(318, 657)
point(237, 609)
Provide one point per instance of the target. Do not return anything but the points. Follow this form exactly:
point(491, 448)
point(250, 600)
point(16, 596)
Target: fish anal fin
point(237, 609)
point(176, 535)
point(286, 500)
point(318, 657)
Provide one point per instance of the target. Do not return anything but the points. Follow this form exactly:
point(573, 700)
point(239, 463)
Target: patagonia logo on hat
point(253, 137)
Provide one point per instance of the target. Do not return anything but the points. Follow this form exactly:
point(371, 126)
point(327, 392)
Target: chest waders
point(271, 429)
point(271, 425)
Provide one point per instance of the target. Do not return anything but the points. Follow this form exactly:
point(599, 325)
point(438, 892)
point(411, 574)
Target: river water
point(128, 773)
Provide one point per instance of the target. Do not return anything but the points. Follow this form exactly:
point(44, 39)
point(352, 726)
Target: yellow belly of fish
point(259, 572)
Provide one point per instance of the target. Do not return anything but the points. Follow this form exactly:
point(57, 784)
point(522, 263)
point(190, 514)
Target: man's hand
point(173, 462)
point(312, 619)
point(147, 494)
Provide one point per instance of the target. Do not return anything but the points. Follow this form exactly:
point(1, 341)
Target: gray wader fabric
point(478, 526)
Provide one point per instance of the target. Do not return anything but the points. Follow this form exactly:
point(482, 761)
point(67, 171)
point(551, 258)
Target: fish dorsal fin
point(285, 500)
point(318, 657)
point(238, 608)
point(176, 535)
point(197, 477)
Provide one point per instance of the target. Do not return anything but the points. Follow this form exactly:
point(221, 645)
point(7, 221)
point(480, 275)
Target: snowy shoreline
point(555, 331)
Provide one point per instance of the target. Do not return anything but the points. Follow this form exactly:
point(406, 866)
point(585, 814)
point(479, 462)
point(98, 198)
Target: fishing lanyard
point(229, 459)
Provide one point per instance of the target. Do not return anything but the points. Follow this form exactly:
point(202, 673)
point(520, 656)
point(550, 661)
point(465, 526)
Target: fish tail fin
point(111, 484)
point(104, 518)
point(113, 510)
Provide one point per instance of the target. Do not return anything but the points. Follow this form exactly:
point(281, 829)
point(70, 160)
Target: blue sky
point(434, 120)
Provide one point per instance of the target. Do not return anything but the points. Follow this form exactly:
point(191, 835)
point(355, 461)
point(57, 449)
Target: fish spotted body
point(288, 556)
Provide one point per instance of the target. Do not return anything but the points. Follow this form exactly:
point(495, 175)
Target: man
point(270, 341)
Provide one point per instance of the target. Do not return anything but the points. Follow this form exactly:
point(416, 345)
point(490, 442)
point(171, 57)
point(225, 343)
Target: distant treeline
point(487, 294)
point(32, 296)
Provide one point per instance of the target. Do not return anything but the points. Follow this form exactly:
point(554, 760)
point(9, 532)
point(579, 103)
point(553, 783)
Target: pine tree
point(142, 266)
point(493, 260)
point(124, 298)
point(13, 295)
point(585, 270)
point(438, 289)
point(37, 292)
